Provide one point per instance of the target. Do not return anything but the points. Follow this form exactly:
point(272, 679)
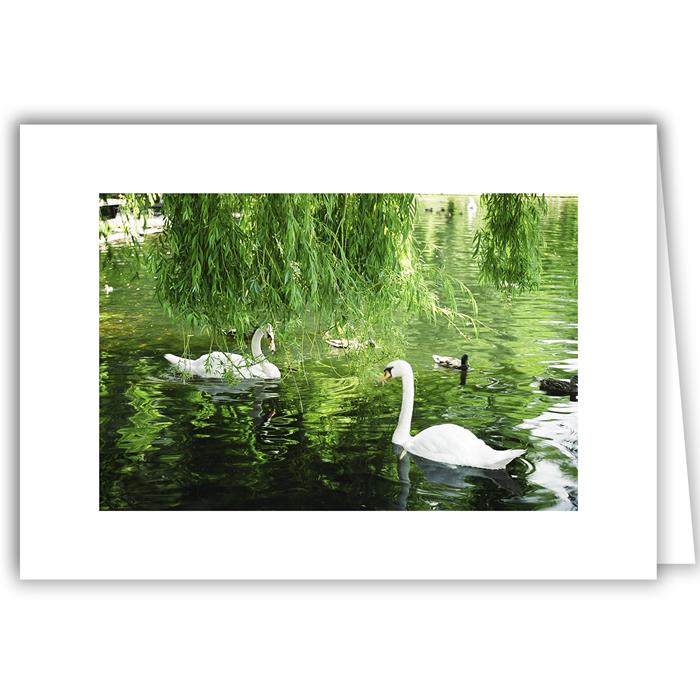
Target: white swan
point(471, 206)
point(446, 443)
point(216, 364)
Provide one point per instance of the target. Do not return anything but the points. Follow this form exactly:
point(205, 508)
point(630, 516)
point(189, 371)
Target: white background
point(504, 61)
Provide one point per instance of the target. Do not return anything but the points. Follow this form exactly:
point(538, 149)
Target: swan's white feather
point(452, 444)
point(213, 365)
point(217, 364)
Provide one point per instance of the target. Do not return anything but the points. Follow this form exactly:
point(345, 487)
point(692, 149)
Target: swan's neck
point(255, 345)
point(403, 429)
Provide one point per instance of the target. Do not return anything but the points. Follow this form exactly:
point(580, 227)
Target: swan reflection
point(261, 391)
point(447, 475)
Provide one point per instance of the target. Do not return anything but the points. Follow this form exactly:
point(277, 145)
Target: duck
point(561, 387)
point(352, 344)
point(452, 362)
point(107, 289)
point(216, 365)
point(446, 443)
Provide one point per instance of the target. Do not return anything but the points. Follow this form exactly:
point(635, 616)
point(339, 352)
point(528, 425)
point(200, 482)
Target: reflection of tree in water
point(476, 485)
point(171, 441)
point(130, 450)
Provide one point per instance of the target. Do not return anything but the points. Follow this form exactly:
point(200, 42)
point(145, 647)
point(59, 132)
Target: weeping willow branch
point(341, 261)
point(232, 261)
point(508, 245)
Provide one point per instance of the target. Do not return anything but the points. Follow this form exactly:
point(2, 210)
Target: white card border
point(676, 543)
point(612, 168)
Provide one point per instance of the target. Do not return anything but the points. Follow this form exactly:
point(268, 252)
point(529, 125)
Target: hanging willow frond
point(508, 245)
point(231, 261)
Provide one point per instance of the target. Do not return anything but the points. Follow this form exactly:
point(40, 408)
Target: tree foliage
point(508, 245)
point(237, 260)
point(347, 261)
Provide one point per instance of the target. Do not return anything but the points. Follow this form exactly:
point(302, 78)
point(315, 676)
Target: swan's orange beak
point(272, 343)
point(385, 377)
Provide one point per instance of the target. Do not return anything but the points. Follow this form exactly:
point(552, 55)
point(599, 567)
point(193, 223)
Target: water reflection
point(556, 430)
point(456, 477)
point(260, 392)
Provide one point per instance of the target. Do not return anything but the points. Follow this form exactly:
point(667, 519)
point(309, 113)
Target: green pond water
point(320, 438)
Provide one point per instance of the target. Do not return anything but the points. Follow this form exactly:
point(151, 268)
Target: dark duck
point(561, 387)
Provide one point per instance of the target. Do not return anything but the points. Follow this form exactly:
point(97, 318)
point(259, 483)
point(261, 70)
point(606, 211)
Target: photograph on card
point(338, 351)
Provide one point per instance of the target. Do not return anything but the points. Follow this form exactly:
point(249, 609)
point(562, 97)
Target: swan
point(216, 364)
point(446, 443)
point(452, 362)
point(107, 289)
point(471, 206)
